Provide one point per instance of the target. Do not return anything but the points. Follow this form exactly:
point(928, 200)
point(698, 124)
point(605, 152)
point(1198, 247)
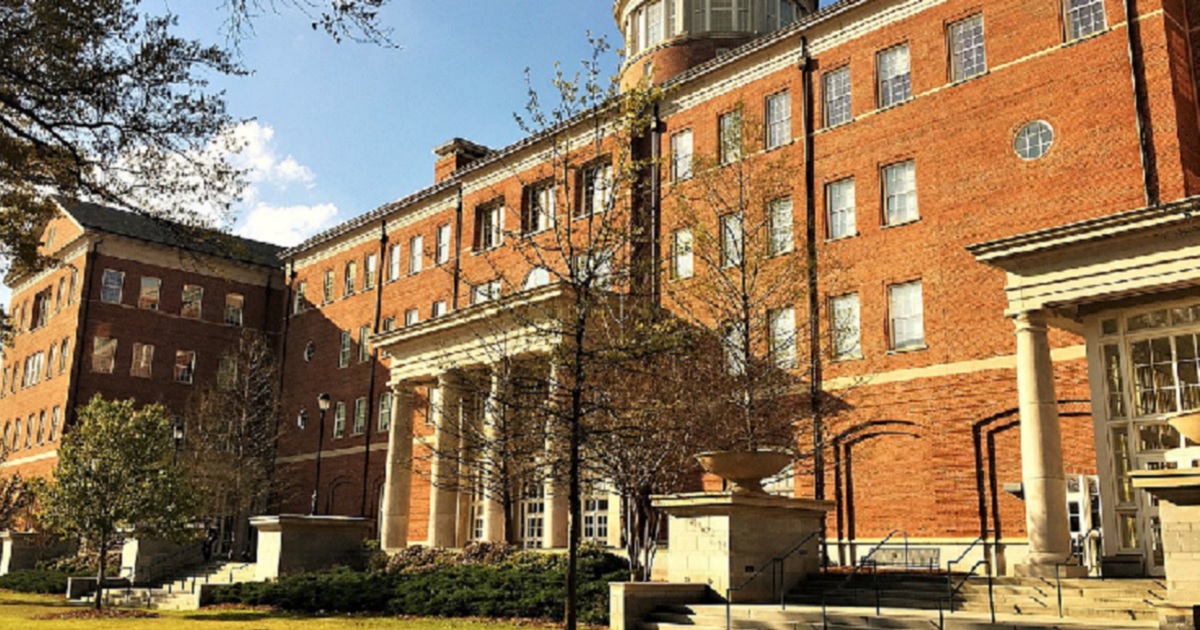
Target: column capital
point(1033, 320)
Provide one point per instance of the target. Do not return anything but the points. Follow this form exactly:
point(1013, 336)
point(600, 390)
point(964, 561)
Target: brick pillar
point(397, 481)
point(444, 409)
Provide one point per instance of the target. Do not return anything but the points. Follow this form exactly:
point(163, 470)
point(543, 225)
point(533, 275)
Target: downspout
point(814, 302)
point(458, 219)
point(289, 276)
point(85, 292)
point(656, 206)
point(1137, 74)
point(366, 481)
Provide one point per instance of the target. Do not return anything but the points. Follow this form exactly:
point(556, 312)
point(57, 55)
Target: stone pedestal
point(290, 543)
point(144, 561)
point(1178, 492)
point(23, 550)
point(721, 540)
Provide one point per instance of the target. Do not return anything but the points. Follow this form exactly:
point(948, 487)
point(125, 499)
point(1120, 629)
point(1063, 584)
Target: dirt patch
point(104, 613)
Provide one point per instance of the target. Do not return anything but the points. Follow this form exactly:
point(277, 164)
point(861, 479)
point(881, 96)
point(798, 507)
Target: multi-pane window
point(681, 155)
point(360, 416)
point(533, 515)
point(58, 296)
point(596, 189)
point(906, 315)
point(489, 229)
point(845, 325)
point(411, 317)
point(235, 304)
point(143, 360)
point(104, 354)
point(836, 88)
point(111, 285)
point(299, 302)
point(344, 347)
point(349, 278)
point(1083, 17)
point(595, 519)
point(654, 23)
point(438, 309)
point(779, 216)
point(839, 201)
point(733, 341)
point(193, 300)
point(41, 427)
point(364, 343)
point(370, 268)
point(967, 56)
point(732, 240)
point(327, 287)
point(782, 337)
point(682, 256)
point(227, 372)
point(729, 130)
point(149, 293)
point(1033, 139)
point(485, 292)
point(900, 193)
point(339, 419)
point(779, 119)
point(441, 254)
point(63, 359)
point(41, 310)
point(385, 411)
point(55, 418)
point(539, 208)
point(895, 79)
point(394, 262)
point(185, 366)
point(50, 361)
point(416, 254)
point(73, 286)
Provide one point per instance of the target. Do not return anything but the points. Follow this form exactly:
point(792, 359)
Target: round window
point(310, 350)
point(1033, 140)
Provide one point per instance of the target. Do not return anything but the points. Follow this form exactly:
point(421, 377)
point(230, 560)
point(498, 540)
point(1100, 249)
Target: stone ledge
point(1180, 486)
point(701, 503)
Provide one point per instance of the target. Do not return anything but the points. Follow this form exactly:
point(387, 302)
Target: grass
point(19, 611)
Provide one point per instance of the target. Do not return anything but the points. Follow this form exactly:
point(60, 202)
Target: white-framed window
point(682, 254)
point(339, 419)
point(299, 302)
point(485, 292)
point(416, 254)
point(235, 306)
point(906, 315)
point(894, 75)
point(967, 55)
point(732, 240)
point(58, 296)
point(1033, 139)
point(41, 427)
point(149, 293)
point(900, 193)
point(193, 301)
point(63, 358)
point(779, 217)
point(489, 226)
point(344, 349)
point(845, 326)
point(385, 411)
point(539, 208)
point(185, 366)
point(655, 27)
point(441, 253)
point(1083, 17)
point(437, 309)
point(49, 362)
point(780, 13)
point(733, 340)
point(595, 519)
point(394, 262)
point(836, 89)
point(360, 416)
point(729, 136)
point(370, 268)
point(782, 341)
point(411, 317)
point(350, 279)
point(104, 355)
point(327, 287)
point(597, 189)
point(533, 515)
point(143, 360)
point(681, 155)
point(55, 419)
point(595, 266)
point(364, 343)
point(779, 119)
point(839, 202)
point(72, 293)
point(111, 286)
point(227, 372)
point(721, 16)
point(537, 277)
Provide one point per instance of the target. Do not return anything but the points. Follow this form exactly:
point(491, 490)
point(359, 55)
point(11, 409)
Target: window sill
point(901, 103)
point(781, 145)
point(896, 351)
point(888, 226)
point(831, 127)
point(957, 82)
point(842, 238)
point(781, 254)
point(1080, 40)
point(850, 358)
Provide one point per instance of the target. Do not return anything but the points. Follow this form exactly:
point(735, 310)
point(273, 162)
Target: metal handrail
point(859, 565)
point(951, 589)
point(777, 561)
point(966, 579)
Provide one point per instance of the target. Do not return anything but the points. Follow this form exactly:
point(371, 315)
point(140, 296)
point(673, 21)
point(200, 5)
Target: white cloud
point(286, 225)
point(255, 153)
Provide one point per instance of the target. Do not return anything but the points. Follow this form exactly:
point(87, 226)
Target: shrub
point(36, 581)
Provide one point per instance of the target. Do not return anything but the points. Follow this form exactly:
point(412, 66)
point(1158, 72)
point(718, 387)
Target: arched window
point(538, 277)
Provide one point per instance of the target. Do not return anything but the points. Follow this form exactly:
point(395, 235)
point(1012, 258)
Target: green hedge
point(35, 581)
point(521, 585)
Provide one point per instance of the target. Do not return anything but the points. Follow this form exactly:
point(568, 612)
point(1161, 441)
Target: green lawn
point(18, 611)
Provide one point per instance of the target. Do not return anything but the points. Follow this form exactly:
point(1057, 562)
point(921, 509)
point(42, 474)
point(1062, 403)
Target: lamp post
point(323, 406)
point(177, 434)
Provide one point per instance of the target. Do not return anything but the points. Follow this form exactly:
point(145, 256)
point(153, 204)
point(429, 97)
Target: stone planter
point(1188, 424)
point(744, 469)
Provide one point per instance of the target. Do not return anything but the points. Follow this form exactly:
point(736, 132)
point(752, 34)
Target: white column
point(444, 410)
point(557, 508)
point(493, 509)
point(397, 481)
point(614, 520)
point(1042, 476)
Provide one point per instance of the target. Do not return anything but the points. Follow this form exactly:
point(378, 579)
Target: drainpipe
point(458, 219)
point(289, 277)
point(85, 291)
point(814, 301)
point(366, 481)
point(656, 205)
point(1137, 75)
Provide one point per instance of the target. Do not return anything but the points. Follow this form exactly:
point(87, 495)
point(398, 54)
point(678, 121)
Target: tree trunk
point(100, 576)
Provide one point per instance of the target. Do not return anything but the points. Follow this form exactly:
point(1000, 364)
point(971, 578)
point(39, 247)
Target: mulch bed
point(104, 613)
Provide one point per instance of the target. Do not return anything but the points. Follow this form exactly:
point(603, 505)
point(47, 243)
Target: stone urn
point(1187, 424)
point(744, 469)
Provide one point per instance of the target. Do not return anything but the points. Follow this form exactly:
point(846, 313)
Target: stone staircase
point(184, 592)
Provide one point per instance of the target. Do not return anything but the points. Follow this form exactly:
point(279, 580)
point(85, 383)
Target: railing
point(776, 565)
point(866, 561)
point(952, 590)
point(1076, 554)
point(151, 568)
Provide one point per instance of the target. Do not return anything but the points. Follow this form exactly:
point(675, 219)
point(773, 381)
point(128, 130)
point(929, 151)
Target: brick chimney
point(454, 155)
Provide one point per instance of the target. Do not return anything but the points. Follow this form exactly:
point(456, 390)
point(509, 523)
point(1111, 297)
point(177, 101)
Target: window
point(227, 373)
point(1083, 17)
point(721, 15)
point(780, 13)
point(50, 238)
point(310, 350)
point(895, 79)
point(327, 288)
point(55, 418)
point(193, 300)
point(847, 337)
point(104, 354)
point(41, 428)
point(733, 340)
point(389, 324)
point(489, 232)
point(900, 193)
point(442, 253)
point(596, 267)
point(1033, 140)
point(596, 189)
point(682, 254)
point(360, 416)
point(729, 128)
point(299, 302)
point(111, 285)
point(385, 411)
point(539, 208)
point(143, 360)
point(967, 56)
point(62, 356)
point(654, 23)
point(595, 518)
point(782, 342)
point(364, 343)
point(780, 219)
point(839, 199)
point(349, 278)
point(370, 268)
point(732, 240)
point(149, 293)
point(40, 314)
point(58, 297)
point(485, 292)
point(302, 418)
point(416, 254)
point(16, 439)
point(836, 84)
point(234, 307)
point(779, 119)
point(681, 156)
point(344, 350)
point(906, 316)
point(393, 263)
point(74, 284)
point(411, 317)
point(185, 366)
point(438, 309)
point(339, 419)
point(29, 432)
point(50, 361)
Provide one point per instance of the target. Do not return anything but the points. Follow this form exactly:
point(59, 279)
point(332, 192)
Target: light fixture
point(323, 402)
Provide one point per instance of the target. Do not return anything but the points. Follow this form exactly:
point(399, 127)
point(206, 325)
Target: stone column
point(1042, 476)
point(557, 508)
point(493, 417)
point(614, 520)
point(397, 481)
point(444, 409)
